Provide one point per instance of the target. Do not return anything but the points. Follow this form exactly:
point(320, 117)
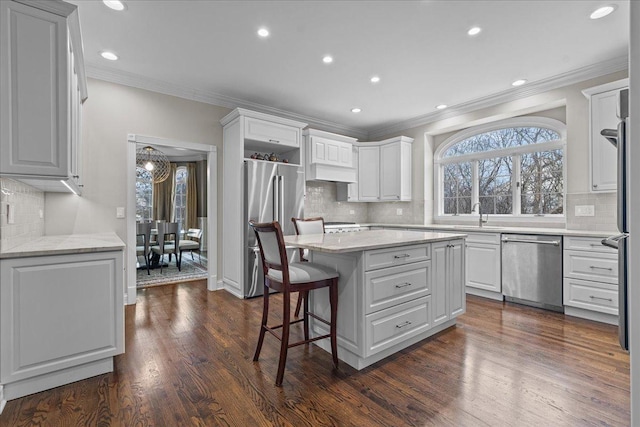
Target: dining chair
point(290, 278)
point(306, 226)
point(193, 242)
point(143, 231)
point(165, 244)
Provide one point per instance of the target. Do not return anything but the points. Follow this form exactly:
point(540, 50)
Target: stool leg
point(263, 325)
point(333, 330)
point(301, 296)
point(305, 313)
point(284, 345)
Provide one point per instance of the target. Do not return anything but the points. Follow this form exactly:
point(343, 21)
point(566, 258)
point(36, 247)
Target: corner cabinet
point(448, 294)
point(43, 86)
point(61, 319)
point(245, 132)
point(603, 106)
point(384, 170)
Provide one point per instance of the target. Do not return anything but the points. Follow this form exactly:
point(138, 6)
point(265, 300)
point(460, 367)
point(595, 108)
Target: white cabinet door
point(35, 102)
point(369, 174)
point(439, 294)
point(329, 152)
point(603, 153)
point(390, 172)
point(483, 266)
point(271, 132)
point(456, 279)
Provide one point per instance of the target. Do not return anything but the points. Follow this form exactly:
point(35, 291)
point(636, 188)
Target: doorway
point(180, 153)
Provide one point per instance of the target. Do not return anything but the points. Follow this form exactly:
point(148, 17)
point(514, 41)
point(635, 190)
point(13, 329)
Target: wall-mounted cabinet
point(329, 157)
point(384, 172)
point(43, 86)
point(603, 106)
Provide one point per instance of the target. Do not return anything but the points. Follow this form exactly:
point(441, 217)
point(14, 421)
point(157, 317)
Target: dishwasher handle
point(537, 242)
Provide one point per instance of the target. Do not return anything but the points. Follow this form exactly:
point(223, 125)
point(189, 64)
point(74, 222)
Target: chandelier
point(154, 162)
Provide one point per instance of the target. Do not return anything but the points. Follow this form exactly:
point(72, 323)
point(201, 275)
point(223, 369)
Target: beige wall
point(576, 110)
point(110, 113)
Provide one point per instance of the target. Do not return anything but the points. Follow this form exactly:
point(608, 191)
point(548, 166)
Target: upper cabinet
point(329, 157)
point(43, 86)
point(384, 170)
point(260, 130)
point(603, 106)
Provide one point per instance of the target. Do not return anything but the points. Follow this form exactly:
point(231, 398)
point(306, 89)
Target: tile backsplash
point(27, 204)
point(605, 209)
point(321, 201)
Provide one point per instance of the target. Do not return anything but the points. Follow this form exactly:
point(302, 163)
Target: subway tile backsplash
point(605, 207)
point(27, 203)
point(321, 201)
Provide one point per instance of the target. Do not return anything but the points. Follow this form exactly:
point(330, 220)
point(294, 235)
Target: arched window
point(144, 195)
point(180, 201)
point(514, 167)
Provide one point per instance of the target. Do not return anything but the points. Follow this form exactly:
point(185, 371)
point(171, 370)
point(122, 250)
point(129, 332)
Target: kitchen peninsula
point(396, 288)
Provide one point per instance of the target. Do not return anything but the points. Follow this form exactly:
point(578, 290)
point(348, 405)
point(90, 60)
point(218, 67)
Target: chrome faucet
point(480, 220)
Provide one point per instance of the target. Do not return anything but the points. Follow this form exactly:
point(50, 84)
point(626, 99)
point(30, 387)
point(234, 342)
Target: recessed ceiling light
point(356, 110)
point(519, 82)
point(263, 32)
point(441, 106)
point(114, 4)
point(109, 55)
point(602, 12)
point(327, 59)
point(375, 79)
point(474, 31)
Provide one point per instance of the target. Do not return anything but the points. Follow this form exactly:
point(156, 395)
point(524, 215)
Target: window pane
point(502, 138)
point(457, 188)
point(542, 182)
point(180, 205)
point(494, 179)
point(144, 195)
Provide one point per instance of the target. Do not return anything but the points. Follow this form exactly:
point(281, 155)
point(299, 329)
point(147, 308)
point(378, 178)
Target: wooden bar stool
point(306, 226)
point(290, 278)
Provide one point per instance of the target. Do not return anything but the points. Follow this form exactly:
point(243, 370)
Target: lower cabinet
point(61, 319)
point(483, 265)
point(448, 293)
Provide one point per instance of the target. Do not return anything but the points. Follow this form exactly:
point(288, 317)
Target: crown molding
point(125, 78)
point(534, 88)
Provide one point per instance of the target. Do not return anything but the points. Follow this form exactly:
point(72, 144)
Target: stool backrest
point(165, 230)
point(143, 229)
point(272, 250)
point(308, 226)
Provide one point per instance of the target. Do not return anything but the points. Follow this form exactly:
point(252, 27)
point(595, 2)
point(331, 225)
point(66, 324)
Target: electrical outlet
point(352, 212)
point(119, 212)
point(399, 211)
point(585, 210)
point(11, 213)
point(41, 213)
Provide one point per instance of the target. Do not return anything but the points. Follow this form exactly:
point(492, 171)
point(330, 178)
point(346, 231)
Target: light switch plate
point(119, 212)
point(585, 210)
point(399, 211)
point(352, 212)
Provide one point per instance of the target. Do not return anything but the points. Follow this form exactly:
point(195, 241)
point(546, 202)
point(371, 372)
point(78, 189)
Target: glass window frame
point(439, 162)
point(176, 205)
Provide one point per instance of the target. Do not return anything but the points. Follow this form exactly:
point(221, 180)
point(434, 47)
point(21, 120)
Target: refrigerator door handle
point(612, 242)
point(281, 197)
point(611, 135)
point(276, 197)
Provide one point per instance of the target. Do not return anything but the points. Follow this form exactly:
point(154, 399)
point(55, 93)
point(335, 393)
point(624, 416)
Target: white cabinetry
point(43, 86)
point(369, 174)
point(61, 319)
point(483, 258)
point(603, 106)
point(244, 132)
point(348, 192)
point(384, 170)
point(329, 157)
point(448, 295)
point(590, 287)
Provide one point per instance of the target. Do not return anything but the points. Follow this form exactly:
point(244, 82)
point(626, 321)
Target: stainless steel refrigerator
point(273, 192)
point(619, 138)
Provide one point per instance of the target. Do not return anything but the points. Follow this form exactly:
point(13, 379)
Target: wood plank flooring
point(188, 363)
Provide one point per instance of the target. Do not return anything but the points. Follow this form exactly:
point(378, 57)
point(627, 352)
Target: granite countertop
point(366, 240)
point(498, 229)
point(66, 244)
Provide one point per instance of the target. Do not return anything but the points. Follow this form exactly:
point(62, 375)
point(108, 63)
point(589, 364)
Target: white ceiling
point(420, 50)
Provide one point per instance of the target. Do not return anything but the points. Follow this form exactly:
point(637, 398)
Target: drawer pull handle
point(603, 299)
point(404, 285)
point(274, 140)
point(401, 256)
point(402, 325)
point(595, 245)
point(595, 267)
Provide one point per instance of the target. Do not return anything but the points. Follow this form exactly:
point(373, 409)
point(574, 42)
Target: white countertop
point(366, 240)
point(66, 244)
point(498, 229)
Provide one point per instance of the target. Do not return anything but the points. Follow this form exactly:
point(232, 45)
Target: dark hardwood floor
point(188, 362)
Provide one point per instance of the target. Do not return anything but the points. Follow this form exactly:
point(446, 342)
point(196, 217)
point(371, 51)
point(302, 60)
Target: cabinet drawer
point(387, 287)
point(486, 238)
point(389, 327)
point(591, 244)
point(381, 258)
point(599, 267)
point(275, 133)
point(595, 296)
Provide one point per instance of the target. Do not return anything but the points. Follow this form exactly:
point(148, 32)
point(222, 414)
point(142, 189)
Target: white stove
point(341, 227)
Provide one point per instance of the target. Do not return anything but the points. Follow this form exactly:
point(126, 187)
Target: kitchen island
point(396, 288)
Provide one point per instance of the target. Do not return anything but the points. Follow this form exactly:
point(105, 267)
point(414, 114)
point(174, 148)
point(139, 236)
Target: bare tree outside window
point(180, 204)
point(457, 188)
point(144, 195)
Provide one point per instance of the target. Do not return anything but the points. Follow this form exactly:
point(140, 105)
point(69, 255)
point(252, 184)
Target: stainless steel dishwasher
point(532, 270)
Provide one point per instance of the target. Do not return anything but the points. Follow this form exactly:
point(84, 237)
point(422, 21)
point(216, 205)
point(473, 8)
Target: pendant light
point(153, 161)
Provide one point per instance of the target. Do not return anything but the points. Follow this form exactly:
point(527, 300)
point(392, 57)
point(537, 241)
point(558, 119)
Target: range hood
point(321, 172)
point(329, 157)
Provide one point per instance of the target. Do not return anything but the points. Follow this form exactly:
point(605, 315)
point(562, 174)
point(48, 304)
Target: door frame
point(212, 208)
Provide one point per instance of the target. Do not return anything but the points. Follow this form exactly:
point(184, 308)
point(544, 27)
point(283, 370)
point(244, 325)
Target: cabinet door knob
point(595, 185)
